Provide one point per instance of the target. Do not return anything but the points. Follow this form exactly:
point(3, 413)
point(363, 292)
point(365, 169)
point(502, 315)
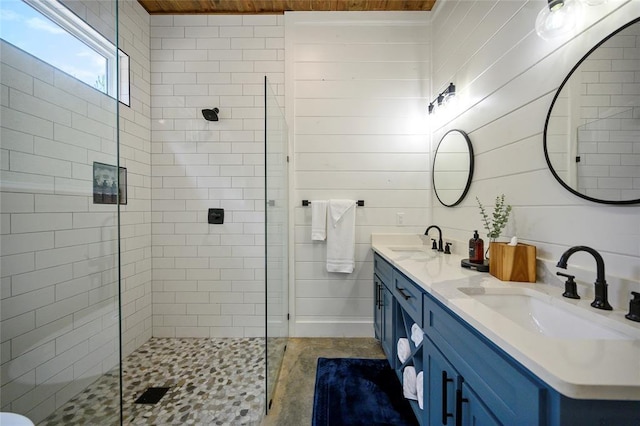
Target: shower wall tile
point(59, 264)
point(208, 280)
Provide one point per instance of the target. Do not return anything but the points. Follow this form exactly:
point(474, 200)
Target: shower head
point(210, 114)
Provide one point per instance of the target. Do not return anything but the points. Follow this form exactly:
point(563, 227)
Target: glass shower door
point(276, 238)
point(60, 195)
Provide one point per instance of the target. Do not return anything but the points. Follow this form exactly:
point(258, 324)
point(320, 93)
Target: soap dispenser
point(476, 248)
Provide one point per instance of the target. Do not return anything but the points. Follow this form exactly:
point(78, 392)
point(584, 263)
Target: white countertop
point(577, 368)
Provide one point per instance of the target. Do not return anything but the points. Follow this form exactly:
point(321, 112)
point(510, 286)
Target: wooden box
point(512, 263)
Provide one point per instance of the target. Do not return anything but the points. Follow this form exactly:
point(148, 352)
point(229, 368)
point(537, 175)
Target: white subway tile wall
point(609, 134)
point(59, 250)
point(59, 320)
point(135, 155)
point(357, 96)
point(208, 280)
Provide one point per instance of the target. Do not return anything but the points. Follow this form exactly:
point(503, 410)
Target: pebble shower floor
point(217, 381)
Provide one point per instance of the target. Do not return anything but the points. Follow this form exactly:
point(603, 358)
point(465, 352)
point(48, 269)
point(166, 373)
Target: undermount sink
point(413, 253)
point(539, 313)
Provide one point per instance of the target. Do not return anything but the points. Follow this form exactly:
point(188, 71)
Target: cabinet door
point(387, 325)
point(377, 307)
point(515, 398)
point(470, 410)
point(440, 387)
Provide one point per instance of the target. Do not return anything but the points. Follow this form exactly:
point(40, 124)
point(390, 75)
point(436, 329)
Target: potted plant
point(498, 220)
point(507, 262)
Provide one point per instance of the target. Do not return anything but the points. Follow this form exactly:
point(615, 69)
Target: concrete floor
point(293, 398)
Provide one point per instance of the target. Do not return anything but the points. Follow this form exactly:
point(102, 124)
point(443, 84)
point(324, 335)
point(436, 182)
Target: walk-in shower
point(60, 247)
point(112, 281)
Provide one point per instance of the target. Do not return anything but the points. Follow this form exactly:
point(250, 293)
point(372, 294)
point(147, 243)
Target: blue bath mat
point(352, 391)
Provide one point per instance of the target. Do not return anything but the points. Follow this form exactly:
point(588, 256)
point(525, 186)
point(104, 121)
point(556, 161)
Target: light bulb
point(558, 18)
point(593, 2)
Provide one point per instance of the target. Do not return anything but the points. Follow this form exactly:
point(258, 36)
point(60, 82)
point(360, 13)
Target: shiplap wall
point(506, 77)
point(357, 85)
point(208, 280)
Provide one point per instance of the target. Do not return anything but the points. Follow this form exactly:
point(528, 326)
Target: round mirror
point(452, 168)
point(592, 131)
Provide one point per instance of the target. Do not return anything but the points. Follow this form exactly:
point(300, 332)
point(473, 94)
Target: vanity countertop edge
point(580, 369)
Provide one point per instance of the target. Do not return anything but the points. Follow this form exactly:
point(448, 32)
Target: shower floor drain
point(151, 395)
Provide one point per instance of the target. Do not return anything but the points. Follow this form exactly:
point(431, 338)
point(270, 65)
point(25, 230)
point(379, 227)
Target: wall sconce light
point(557, 18)
point(443, 97)
point(560, 17)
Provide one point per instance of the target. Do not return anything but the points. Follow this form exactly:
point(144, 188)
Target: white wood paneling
point(506, 77)
point(359, 84)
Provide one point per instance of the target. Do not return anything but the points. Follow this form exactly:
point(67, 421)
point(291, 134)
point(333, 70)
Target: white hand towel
point(319, 220)
point(341, 236)
point(404, 351)
point(416, 334)
point(420, 389)
point(409, 382)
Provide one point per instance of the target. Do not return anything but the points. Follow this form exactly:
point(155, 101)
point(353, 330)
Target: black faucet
point(439, 236)
point(600, 301)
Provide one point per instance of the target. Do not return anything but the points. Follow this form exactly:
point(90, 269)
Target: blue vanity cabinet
point(469, 380)
point(383, 305)
point(440, 387)
point(387, 326)
point(472, 410)
point(409, 296)
point(450, 400)
point(407, 314)
point(377, 306)
point(490, 387)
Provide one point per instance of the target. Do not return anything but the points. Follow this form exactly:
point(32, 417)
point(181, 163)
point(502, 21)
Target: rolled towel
point(404, 350)
point(420, 389)
point(409, 383)
point(416, 334)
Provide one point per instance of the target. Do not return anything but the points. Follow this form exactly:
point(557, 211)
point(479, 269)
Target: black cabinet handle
point(459, 401)
point(445, 414)
point(379, 296)
point(405, 295)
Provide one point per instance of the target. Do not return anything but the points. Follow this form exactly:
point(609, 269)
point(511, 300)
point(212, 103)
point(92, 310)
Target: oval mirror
point(592, 131)
point(452, 168)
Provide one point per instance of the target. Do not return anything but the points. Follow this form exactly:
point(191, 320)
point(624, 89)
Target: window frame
point(78, 28)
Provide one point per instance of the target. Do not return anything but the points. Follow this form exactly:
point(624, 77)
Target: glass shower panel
point(59, 176)
point(276, 239)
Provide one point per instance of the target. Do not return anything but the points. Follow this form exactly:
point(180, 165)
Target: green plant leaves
point(500, 217)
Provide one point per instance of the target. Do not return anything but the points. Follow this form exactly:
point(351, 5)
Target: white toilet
point(13, 419)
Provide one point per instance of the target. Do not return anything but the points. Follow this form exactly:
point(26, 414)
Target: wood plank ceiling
point(279, 6)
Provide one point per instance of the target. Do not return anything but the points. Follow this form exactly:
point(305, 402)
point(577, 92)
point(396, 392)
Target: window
point(49, 31)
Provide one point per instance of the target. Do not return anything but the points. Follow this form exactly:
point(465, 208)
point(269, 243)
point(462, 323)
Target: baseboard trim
point(333, 329)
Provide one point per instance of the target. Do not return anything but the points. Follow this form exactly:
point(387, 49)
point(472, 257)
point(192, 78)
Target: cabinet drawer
point(511, 392)
point(382, 268)
point(409, 296)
